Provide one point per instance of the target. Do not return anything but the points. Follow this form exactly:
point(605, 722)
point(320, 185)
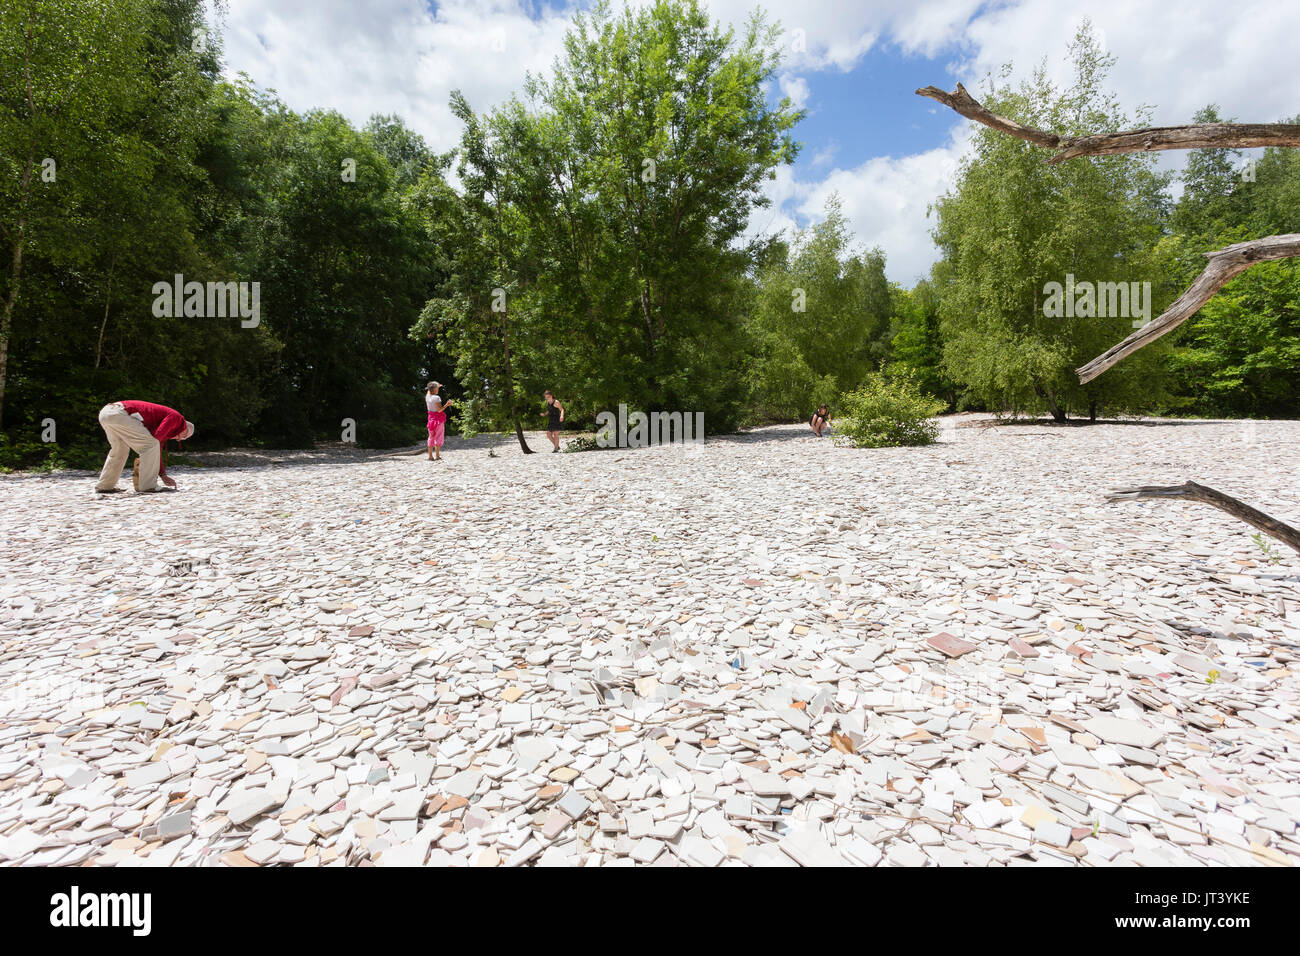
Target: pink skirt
point(437, 420)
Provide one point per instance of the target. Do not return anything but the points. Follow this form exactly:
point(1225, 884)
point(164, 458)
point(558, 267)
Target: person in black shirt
point(554, 418)
point(821, 421)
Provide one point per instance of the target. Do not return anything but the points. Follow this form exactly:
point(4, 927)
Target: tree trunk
point(1046, 393)
point(510, 386)
point(6, 322)
point(1092, 411)
point(519, 433)
point(108, 298)
point(11, 300)
point(20, 227)
point(1191, 491)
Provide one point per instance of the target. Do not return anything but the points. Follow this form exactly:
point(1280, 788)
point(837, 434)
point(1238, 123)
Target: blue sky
point(891, 120)
point(887, 153)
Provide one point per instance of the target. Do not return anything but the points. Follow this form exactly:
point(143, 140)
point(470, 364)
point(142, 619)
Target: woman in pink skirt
point(437, 419)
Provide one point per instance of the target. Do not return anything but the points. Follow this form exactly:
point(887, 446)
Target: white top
point(433, 402)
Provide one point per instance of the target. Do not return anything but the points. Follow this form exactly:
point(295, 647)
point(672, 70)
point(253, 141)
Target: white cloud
point(402, 56)
point(795, 87)
point(836, 33)
point(392, 56)
point(825, 154)
point(885, 200)
point(1176, 64)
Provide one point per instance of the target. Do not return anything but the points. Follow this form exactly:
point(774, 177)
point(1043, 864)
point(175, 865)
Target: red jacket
point(163, 423)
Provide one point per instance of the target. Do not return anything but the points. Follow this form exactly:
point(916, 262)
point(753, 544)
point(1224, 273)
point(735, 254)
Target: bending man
point(144, 428)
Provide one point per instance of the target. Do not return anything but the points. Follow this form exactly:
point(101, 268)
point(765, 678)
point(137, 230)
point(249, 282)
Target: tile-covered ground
point(768, 650)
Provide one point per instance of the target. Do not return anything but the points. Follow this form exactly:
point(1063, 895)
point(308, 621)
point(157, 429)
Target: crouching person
point(144, 428)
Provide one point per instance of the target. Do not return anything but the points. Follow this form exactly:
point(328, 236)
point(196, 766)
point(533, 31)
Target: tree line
point(590, 235)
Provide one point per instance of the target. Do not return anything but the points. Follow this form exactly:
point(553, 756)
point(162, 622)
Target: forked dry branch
point(1224, 263)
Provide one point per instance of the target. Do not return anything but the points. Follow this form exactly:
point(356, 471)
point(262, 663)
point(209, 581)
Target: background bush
point(885, 412)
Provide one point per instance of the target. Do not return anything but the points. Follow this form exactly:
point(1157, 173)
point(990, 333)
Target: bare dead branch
point(1224, 264)
point(962, 102)
point(1192, 136)
point(1149, 139)
point(1191, 491)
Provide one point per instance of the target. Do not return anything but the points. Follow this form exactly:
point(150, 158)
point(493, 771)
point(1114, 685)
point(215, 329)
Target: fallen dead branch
point(1191, 491)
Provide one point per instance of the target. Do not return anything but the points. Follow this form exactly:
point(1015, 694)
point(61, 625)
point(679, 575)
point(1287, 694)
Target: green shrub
point(583, 443)
point(885, 412)
point(26, 455)
point(18, 454)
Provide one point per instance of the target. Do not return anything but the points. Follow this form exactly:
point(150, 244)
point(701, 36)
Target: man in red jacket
point(144, 428)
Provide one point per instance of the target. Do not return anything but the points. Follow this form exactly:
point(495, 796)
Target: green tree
point(404, 148)
point(1238, 354)
point(119, 102)
point(626, 181)
point(483, 305)
point(342, 272)
point(1013, 224)
point(1214, 195)
point(1274, 196)
point(73, 73)
point(821, 320)
point(916, 349)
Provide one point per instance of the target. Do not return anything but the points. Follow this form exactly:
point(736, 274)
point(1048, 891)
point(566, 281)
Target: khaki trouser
point(128, 434)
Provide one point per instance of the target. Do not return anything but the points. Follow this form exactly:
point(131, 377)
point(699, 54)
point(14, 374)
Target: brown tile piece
point(950, 645)
point(1021, 648)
